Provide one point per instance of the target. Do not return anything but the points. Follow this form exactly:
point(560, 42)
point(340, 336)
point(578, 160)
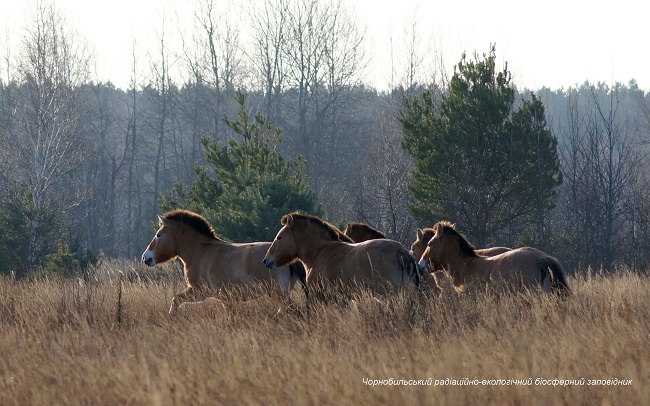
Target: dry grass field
point(72, 342)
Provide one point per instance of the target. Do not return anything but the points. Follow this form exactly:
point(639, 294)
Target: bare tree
point(156, 125)
point(380, 194)
point(305, 54)
point(134, 205)
point(601, 155)
point(410, 55)
point(102, 170)
point(161, 124)
point(570, 151)
point(46, 137)
point(639, 210)
point(615, 158)
point(218, 56)
point(270, 30)
point(345, 61)
point(325, 61)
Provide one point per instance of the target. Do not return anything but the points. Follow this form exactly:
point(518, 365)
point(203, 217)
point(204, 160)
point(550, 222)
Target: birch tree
point(46, 138)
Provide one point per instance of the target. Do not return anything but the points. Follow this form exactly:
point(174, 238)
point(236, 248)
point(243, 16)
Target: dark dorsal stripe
point(192, 221)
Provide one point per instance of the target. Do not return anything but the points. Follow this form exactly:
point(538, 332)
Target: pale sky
point(552, 43)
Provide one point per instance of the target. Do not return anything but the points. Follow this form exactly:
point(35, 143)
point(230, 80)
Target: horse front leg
point(287, 280)
point(190, 294)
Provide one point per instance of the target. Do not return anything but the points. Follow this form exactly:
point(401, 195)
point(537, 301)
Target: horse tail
point(409, 267)
point(559, 284)
point(297, 269)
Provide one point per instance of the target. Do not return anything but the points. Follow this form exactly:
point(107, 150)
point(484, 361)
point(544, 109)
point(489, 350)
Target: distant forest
point(83, 165)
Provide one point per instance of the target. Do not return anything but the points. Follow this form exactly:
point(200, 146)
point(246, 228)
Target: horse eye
point(158, 235)
point(279, 237)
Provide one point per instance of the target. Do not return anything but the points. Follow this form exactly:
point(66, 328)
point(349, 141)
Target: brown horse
point(382, 265)
point(211, 264)
point(424, 235)
point(441, 278)
point(360, 232)
point(518, 269)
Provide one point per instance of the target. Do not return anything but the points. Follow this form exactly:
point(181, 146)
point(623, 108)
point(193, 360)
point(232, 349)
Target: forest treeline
point(85, 166)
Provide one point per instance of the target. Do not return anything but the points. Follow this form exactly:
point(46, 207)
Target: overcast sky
point(551, 43)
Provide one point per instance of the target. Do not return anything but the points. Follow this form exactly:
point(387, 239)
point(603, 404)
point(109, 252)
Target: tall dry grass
point(71, 342)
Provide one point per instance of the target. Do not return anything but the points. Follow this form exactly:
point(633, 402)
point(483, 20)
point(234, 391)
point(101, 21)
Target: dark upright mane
point(192, 220)
point(315, 223)
point(448, 229)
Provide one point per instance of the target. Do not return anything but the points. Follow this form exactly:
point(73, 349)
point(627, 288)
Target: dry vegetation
point(67, 342)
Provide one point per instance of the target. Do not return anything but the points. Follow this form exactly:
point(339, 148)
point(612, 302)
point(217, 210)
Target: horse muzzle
point(147, 258)
point(423, 264)
point(269, 263)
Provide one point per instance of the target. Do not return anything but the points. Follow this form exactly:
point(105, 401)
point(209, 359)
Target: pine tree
point(479, 161)
point(249, 186)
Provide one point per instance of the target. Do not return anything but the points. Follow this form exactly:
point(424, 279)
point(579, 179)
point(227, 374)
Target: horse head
point(435, 246)
point(360, 232)
point(283, 249)
point(420, 244)
point(162, 247)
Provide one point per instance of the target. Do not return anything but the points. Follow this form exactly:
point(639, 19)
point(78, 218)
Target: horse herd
point(315, 254)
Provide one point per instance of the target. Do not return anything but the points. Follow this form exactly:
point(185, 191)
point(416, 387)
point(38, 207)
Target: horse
point(515, 270)
point(440, 277)
point(360, 232)
point(424, 235)
point(382, 265)
point(211, 264)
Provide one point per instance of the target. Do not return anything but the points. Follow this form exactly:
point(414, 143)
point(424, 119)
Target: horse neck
point(313, 246)
point(189, 246)
point(459, 265)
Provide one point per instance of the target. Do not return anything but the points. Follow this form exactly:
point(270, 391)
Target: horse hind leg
point(545, 279)
point(410, 269)
point(559, 284)
point(554, 277)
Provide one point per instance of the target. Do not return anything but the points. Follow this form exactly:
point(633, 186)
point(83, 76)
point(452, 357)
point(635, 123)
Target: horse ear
point(162, 220)
point(420, 234)
point(289, 220)
point(453, 226)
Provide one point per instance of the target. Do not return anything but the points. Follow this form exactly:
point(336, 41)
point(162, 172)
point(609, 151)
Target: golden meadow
point(109, 340)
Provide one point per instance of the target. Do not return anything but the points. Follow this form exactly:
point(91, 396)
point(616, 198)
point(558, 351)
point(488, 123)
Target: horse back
point(387, 260)
point(492, 251)
point(246, 260)
point(222, 263)
point(521, 266)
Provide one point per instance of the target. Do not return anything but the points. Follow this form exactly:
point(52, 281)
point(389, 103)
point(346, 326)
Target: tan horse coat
point(515, 270)
point(211, 264)
point(424, 235)
point(360, 232)
point(442, 280)
point(382, 265)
